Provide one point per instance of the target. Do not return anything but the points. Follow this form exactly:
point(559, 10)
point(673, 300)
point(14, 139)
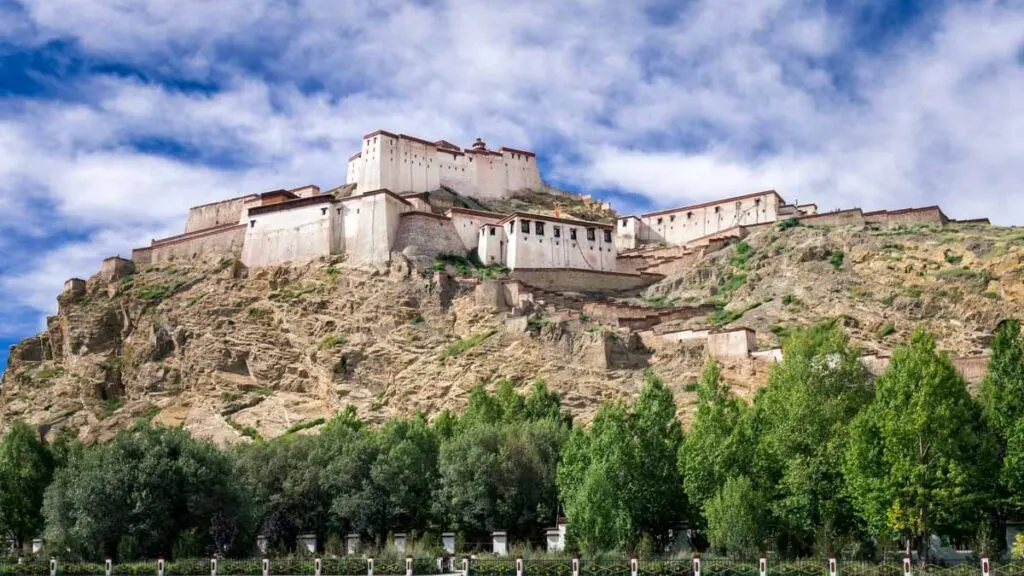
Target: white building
point(678, 226)
point(535, 241)
point(404, 163)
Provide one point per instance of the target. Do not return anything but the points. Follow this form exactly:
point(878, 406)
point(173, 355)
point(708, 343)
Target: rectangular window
point(557, 231)
point(493, 231)
point(572, 233)
point(607, 235)
point(672, 218)
point(623, 223)
point(591, 235)
point(511, 227)
point(659, 220)
point(525, 226)
point(538, 227)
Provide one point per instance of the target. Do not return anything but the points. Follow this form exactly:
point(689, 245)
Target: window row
point(538, 228)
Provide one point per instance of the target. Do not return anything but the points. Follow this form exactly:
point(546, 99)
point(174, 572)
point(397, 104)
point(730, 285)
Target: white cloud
point(729, 96)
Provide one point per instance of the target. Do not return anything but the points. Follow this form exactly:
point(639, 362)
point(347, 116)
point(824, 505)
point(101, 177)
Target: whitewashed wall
point(294, 235)
point(688, 223)
point(491, 244)
point(533, 250)
point(468, 226)
point(370, 226)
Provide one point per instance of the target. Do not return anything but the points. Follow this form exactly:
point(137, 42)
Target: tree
point(737, 518)
point(717, 445)
point(920, 459)
point(1002, 390)
point(800, 422)
point(26, 467)
point(147, 485)
point(619, 480)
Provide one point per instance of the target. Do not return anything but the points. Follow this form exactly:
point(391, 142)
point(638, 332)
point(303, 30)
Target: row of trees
point(823, 460)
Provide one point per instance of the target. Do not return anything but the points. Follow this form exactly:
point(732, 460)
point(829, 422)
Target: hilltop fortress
point(409, 195)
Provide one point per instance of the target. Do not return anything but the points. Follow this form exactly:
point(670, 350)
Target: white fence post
point(984, 567)
point(408, 566)
point(53, 567)
point(634, 566)
point(519, 566)
point(696, 565)
point(266, 567)
point(160, 567)
point(575, 566)
point(762, 566)
point(369, 567)
point(833, 567)
point(906, 566)
point(317, 566)
point(108, 567)
point(213, 567)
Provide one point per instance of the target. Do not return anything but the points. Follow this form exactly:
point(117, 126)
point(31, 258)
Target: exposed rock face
point(227, 352)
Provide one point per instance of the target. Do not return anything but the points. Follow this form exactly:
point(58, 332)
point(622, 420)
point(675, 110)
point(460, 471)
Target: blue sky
point(116, 116)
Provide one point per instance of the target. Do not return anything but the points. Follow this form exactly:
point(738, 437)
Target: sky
point(117, 116)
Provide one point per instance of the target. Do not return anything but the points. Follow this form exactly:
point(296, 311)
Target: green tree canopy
point(737, 516)
point(920, 458)
point(26, 467)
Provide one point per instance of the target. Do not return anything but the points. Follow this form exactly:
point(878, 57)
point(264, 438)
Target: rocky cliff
point(235, 354)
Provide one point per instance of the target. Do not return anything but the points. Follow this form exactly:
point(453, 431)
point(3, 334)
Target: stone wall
point(842, 217)
point(736, 343)
point(428, 235)
point(115, 268)
point(575, 280)
point(216, 214)
point(220, 242)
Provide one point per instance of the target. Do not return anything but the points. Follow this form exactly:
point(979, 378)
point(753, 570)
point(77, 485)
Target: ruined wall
point(731, 344)
point(216, 214)
point(574, 280)
point(224, 241)
point(428, 234)
point(115, 268)
point(840, 218)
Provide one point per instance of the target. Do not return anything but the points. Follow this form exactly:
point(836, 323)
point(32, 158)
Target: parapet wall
point(216, 214)
point(224, 241)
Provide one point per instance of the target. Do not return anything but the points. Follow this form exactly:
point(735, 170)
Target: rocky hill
point(235, 354)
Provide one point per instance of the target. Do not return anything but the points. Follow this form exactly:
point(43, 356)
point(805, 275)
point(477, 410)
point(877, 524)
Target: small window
point(511, 227)
point(252, 223)
point(624, 224)
point(557, 230)
point(672, 218)
point(525, 226)
point(607, 235)
point(659, 220)
point(323, 211)
point(717, 208)
point(591, 235)
point(572, 233)
point(689, 215)
point(339, 210)
point(538, 227)
point(493, 232)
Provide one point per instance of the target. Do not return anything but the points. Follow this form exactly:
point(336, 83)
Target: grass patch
point(111, 405)
point(690, 387)
point(964, 274)
point(893, 246)
point(224, 264)
point(292, 292)
point(416, 319)
point(885, 330)
point(661, 301)
point(256, 312)
point(48, 372)
point(195, 299)
point(779, 330)
point(888, 300)
point(734, 282)
point(332, 273)
point(468, 266)
point(788, 223)
point(992, 295)
point(743, 253)
point(836, 259)
point(332, 341)
point(147, 416)
point(721, 317)
point(463, 344)
point(790, 300)
point(304, 425)
point(247, 431)
point(858, 292)
point(913, 291)
point(112, 363)
point(953, 258)
point(156, 293)
point(535, 323)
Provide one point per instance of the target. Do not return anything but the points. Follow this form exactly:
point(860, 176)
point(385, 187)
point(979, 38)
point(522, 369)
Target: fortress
point(420, 198)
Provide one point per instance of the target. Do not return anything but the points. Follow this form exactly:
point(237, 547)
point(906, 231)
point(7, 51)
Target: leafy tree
point(801, 420)
point(717, 445)
point(920, 458)
point(26, 467)
point(1002, 390)
point(147, 484)
point(619, 480)
point(737, 518)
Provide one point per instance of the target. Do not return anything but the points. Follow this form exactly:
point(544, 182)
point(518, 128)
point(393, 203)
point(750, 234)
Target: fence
point(492, 566)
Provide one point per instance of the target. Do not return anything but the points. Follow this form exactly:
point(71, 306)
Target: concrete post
point(352, 544)
point(465, 566)
point(400, 542)
point(317, 565)
point(762, 566)
point(906, 566)
point(499, 539)
point(261, 543)
point(984, 567)
point(53, 567)
point(308, 541)
point(440, 565)
point(448, 541)
point(266, 567)
point(108, 567)
point(369, 567)
point(696, 565)
point(451, 564)
point(575, 566)
point(408, 566)
point(160, 567)
point(519, 566)
point(634, 566)
point(37, 545)
point(213, 567)
point(833, 567)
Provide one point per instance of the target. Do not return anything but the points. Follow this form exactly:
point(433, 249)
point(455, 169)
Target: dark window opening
point(672, 218)
point(557, 230)
point(525, 226)
point(623, 223)
point(659, 220)
point(538, 227)
point(492, 231)
point(511, 227)
point(252, 223)
point(572, 233)
point(590, 234)
point(323, 211)
point(607, 235)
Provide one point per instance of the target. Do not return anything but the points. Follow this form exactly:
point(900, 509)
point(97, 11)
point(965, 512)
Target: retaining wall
point(223, 241)
point(576, 280)
point(428, 235)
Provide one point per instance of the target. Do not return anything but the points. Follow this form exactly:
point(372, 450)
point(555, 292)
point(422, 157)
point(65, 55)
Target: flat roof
point(289, 204)
point(712, 203)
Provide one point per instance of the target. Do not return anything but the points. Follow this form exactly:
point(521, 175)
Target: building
point(404, 163)
point(523, 240)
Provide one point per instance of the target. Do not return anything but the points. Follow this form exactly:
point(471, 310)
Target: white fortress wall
point(370, 225)
point(558, 244)
point(492, 244)
point(295, 231)
point(467, 224)
point(217, 213)
point(680, 225)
